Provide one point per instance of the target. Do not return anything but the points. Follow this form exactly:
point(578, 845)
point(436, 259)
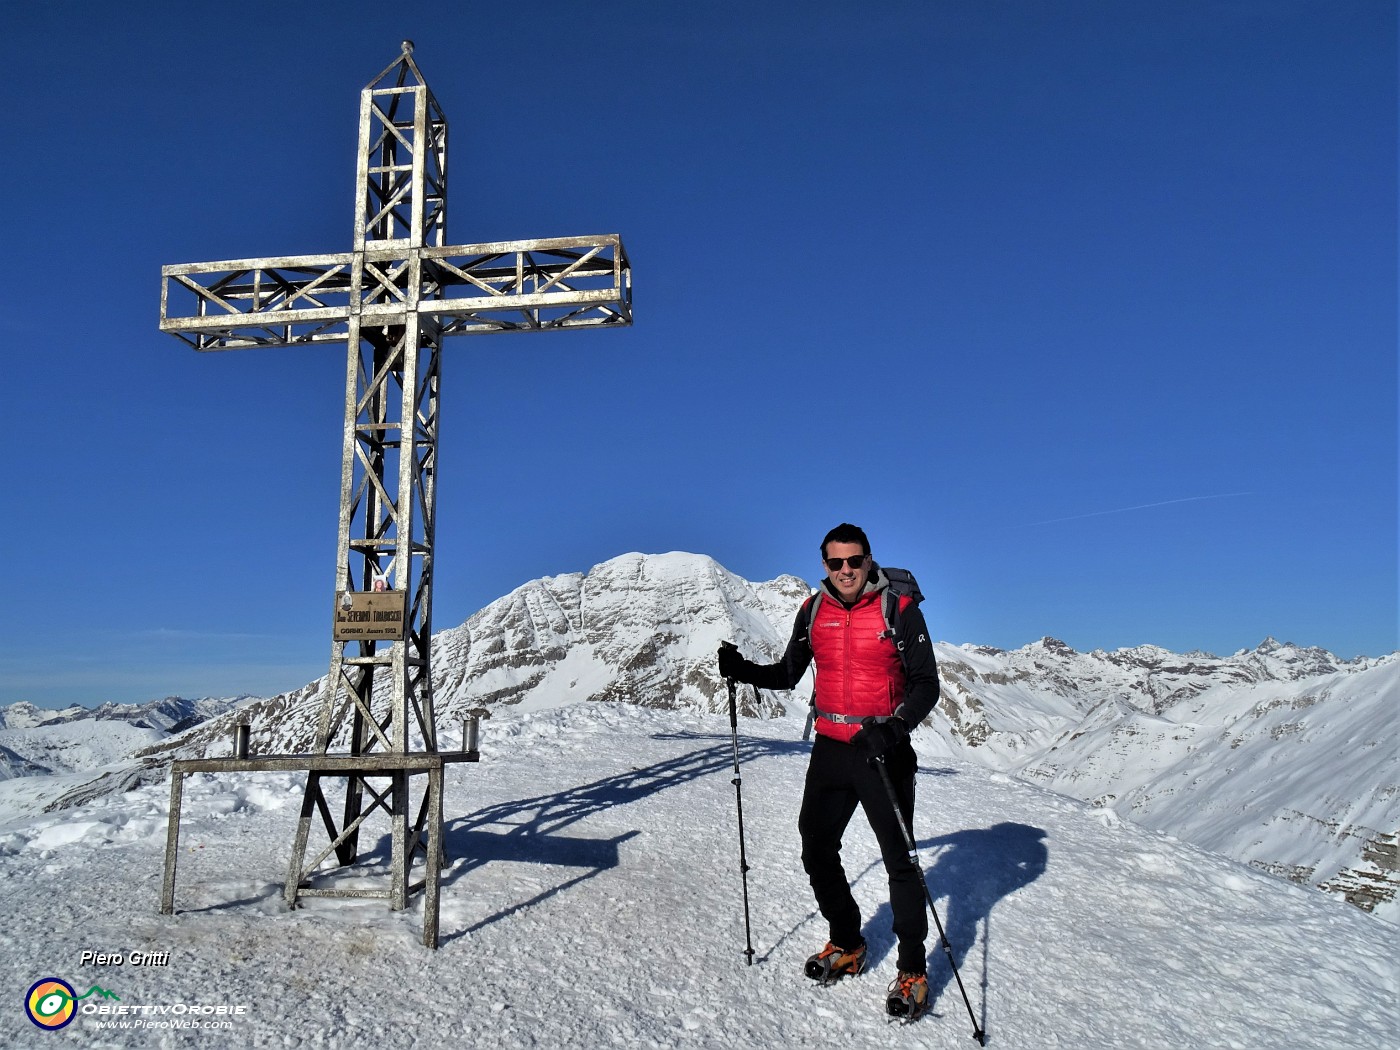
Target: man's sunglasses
point(855, 561)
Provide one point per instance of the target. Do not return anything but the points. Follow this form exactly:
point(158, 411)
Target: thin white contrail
point(1125, 510)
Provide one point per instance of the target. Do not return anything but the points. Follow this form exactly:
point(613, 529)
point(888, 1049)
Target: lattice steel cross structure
point(392, 300)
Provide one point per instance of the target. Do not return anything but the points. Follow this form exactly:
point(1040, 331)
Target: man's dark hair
point(847, 533)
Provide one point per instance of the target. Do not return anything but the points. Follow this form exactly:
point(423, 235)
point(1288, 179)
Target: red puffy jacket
point(859, 669)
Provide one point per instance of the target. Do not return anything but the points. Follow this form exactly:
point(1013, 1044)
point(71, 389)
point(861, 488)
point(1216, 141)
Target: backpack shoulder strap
point(809, 617)
point(809, 614)
point(893, 606)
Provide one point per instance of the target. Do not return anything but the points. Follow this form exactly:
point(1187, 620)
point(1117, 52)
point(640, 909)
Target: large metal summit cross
point(392, 300)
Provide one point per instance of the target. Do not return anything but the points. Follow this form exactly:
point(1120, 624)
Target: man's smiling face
point(849, 581)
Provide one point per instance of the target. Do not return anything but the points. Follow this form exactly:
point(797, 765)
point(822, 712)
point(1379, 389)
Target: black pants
point(839, 777)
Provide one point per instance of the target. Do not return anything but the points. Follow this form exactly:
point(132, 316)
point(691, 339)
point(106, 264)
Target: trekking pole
point(738, 783)
point(879, 763)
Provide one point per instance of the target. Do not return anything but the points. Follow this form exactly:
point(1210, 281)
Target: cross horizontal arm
point(533, 285)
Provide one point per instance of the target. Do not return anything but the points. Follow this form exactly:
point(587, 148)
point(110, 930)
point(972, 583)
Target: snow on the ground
point(593, 898)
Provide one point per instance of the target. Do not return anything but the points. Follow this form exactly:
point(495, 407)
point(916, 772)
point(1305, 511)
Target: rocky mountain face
point(639, 629)
point(1283, 757)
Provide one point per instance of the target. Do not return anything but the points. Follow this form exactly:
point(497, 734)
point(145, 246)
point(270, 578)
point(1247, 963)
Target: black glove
point(731, 664)
point(878, 738)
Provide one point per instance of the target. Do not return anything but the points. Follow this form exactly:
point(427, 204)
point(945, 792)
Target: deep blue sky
point(1086, 311)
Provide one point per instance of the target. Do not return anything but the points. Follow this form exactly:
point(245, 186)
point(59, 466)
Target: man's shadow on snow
point(972, 871)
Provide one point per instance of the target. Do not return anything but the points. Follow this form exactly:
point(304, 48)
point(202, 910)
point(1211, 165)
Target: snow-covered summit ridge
point(1282, 756)
point(173, 714)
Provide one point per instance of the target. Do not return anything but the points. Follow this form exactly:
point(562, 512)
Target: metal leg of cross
point(435, 860)
point(172, 843)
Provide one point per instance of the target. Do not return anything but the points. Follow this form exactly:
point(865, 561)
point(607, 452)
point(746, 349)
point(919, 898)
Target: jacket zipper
point(848, 685)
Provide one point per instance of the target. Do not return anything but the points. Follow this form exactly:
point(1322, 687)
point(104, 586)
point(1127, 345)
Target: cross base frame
point(357, 770)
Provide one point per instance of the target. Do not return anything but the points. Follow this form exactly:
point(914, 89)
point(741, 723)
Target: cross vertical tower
point(392, 300)
point(389, 443)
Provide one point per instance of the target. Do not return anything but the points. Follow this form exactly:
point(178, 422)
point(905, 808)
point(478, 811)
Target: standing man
point(874, 683)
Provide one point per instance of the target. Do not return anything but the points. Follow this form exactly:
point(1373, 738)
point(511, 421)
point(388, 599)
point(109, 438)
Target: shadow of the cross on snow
point(749, 747)
point(267, 892)
point(529, 830)
point(593, 855)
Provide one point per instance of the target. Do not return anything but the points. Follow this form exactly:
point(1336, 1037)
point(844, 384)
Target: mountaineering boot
point(908, 996)
point(832, 963)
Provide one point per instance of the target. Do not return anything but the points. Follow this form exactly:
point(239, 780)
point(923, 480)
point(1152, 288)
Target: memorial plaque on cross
point(392, 300)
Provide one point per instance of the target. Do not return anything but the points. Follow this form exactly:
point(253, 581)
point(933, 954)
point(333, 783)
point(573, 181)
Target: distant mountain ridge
point(35, 741)
point(1282, 756)
point(173, 714)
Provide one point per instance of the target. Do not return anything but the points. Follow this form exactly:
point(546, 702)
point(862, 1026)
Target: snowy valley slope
point(1283, 757)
